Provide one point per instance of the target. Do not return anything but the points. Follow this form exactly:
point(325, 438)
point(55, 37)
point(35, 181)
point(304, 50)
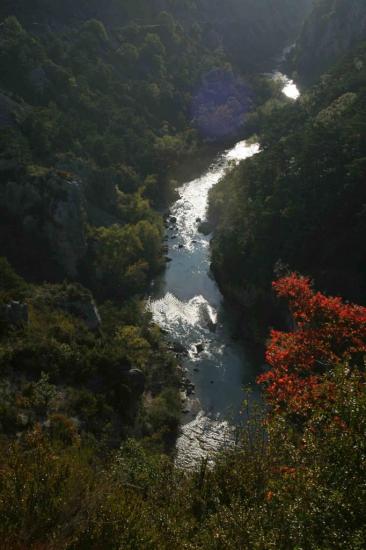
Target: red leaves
point(327, 332)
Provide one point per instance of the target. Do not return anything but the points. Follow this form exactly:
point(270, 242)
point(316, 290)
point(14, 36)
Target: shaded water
point(188, 305)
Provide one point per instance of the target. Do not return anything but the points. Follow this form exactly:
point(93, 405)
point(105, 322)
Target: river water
point(188, 305)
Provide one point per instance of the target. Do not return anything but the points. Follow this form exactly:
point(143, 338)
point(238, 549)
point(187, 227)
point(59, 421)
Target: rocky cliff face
point(48, 211)
point(253, 32)
point(73, 299)
point(332, 29)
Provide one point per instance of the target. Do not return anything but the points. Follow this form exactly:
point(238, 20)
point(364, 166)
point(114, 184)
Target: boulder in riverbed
point(200, 347)
point(177, 347)
point(205, 228)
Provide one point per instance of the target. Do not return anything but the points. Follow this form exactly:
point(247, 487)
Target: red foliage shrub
point(327, 332)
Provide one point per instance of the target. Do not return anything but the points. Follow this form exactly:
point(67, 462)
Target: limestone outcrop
point(48, 208)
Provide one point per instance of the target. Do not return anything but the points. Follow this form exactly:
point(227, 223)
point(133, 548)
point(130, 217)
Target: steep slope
point(301, 201)
point(91, 122)
point(253, 32)
point(331, 30)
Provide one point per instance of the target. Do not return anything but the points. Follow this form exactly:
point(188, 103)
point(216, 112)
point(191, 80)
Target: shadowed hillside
point(332, 29)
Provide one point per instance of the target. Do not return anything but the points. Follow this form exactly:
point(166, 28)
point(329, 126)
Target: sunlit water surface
point(187, 304)
point(290, 89)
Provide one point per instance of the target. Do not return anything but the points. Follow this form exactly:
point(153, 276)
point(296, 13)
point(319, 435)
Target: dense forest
point(99, 103)
point(97, 114)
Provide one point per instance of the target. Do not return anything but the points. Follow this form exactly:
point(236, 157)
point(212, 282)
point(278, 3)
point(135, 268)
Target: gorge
point(182, 274)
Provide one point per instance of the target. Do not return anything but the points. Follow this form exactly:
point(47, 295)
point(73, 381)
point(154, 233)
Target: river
point(188, 305)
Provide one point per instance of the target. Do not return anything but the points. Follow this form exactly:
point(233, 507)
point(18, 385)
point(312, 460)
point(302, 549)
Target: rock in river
point(199, 347)
point(177, 347)
point(205, 228)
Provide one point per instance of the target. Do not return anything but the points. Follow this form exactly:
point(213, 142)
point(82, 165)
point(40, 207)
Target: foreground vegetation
point(295, 480)
point(82, 372)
